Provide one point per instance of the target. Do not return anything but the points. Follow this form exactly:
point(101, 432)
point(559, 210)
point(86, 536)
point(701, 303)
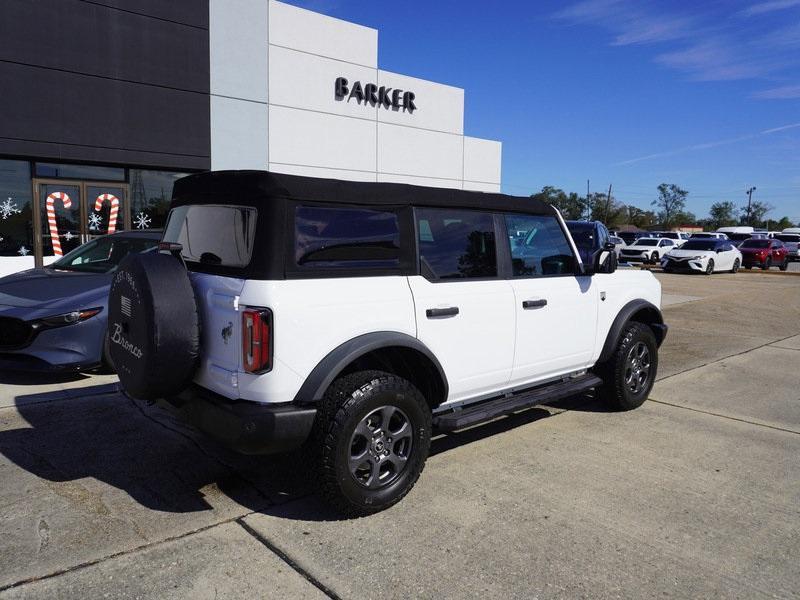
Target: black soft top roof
point(250, 188)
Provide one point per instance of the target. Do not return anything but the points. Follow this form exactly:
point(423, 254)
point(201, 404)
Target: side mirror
point(604, 260)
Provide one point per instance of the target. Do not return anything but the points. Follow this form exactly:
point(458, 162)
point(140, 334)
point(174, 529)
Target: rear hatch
point(217, 244)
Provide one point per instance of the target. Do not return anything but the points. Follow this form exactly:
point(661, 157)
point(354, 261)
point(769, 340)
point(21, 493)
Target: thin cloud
point(707, 145)
point(768, 7)
point(630, 23)
point(706, 45)
point(786, 92)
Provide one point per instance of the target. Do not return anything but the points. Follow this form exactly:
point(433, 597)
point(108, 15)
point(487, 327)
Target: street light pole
point(749, 204)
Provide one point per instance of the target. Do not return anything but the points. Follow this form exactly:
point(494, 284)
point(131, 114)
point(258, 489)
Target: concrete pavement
point(695, 494)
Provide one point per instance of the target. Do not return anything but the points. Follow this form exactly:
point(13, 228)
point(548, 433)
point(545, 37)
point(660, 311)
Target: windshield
point(788, 237)
point(704, 235)
point(755, 244)
point(212, 234)
point(739, 236)
point(102, 255)
point(646, 242)
point(699, 245)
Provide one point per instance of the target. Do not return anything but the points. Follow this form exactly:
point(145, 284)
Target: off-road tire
point(736, 266)
point(614, 392)
point(349, 400)
point(710, 267)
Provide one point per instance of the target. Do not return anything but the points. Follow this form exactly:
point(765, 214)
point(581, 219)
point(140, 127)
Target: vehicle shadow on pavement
point(35, 378)
point(164, 465)
point(143, 451)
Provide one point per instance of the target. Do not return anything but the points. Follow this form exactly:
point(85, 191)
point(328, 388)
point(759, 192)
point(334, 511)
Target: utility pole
point(749, 204)
point(608, 203)
point(588, 208)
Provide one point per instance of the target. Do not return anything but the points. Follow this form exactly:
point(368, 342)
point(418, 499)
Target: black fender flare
point(654, 319)
point(329, 368)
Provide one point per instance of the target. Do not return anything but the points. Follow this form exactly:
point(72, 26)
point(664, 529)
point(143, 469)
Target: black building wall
point(111, 81)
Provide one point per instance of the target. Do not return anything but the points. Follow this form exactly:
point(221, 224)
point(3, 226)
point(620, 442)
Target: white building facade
point(275, 71)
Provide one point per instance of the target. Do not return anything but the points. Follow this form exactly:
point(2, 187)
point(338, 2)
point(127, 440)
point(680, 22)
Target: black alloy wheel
point(637, 368)
point(372, 437)
point(380, 447)
point(629, 373)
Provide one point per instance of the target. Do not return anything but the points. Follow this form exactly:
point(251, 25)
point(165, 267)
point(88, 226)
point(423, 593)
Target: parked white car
point(647, 250)
point(676, 236)
point(708, 235)
point(704, 256)
point(619, 244)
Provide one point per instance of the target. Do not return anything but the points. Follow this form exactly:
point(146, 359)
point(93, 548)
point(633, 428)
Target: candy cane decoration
point(112, 218)
point(51, 218)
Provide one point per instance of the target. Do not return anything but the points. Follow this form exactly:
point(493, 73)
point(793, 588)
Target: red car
point(764, 253)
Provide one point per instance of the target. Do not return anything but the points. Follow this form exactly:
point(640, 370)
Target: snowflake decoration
point(23, 251)
point(8, 208)
point(95, 221)
point(142, 221)
point(68, 236)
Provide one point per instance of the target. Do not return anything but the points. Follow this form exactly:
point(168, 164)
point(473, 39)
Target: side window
point(539, 247)
point(603, 237)
point(345, 238)
point(456, 244)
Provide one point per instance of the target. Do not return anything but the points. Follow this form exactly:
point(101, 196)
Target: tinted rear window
point(346, 237)
point(788, 237)
point(213, 235)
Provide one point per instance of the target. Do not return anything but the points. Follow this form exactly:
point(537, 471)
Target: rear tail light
point(257, 340)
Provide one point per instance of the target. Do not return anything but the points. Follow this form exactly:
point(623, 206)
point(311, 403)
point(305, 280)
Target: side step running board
point(490, 409)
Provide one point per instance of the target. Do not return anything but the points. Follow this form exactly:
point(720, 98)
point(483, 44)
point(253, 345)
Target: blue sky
point(631, 93)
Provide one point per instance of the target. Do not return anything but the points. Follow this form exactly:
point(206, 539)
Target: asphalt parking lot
point(696, 494)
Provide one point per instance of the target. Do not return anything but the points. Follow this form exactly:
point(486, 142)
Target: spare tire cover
point(153, 325)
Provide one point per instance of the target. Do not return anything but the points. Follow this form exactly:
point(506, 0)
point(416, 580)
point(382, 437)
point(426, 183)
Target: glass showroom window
point(16, 222)
point(151, 192)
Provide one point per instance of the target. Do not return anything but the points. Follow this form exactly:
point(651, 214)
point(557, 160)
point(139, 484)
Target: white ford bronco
point(359, 319)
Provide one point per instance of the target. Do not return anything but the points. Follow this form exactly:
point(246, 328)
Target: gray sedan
point(54, 318)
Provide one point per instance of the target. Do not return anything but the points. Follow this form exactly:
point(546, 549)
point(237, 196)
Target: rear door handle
point(528, 304)
point(433, 313)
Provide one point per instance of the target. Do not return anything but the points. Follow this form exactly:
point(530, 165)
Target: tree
point(722, 214)
point(607, 210)
point(758, 210)
point(640, 218)
point(784, 223)
point(684, 217)
point(671, 201)
point(571, 206)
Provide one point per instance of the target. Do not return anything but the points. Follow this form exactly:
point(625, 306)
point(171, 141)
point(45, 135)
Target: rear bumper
point(244, 426)
point(752, 262)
